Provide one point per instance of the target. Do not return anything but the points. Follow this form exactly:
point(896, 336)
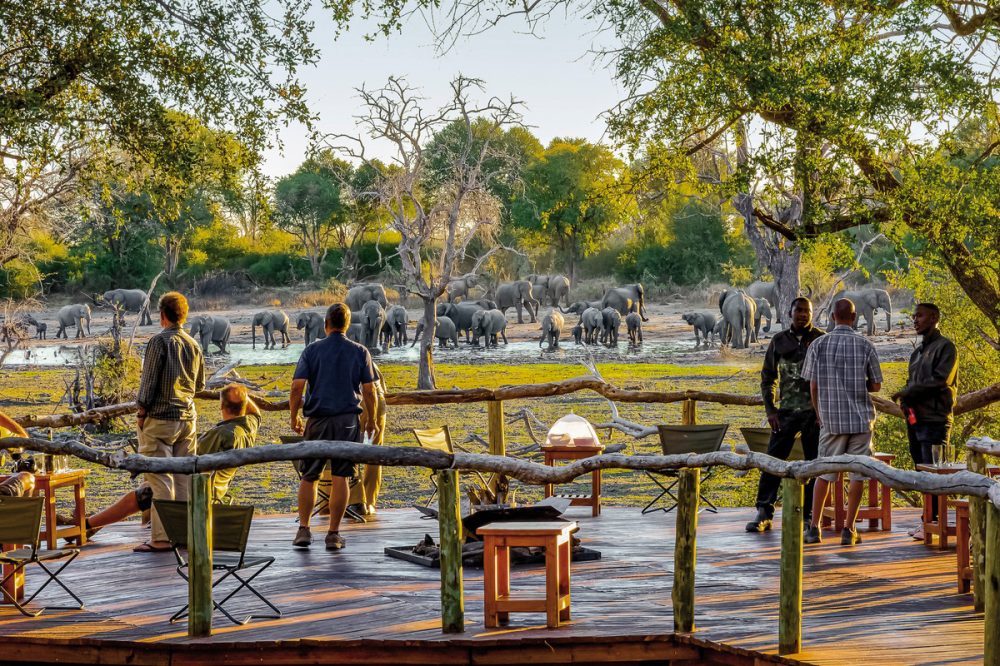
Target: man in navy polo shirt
point(339, 376)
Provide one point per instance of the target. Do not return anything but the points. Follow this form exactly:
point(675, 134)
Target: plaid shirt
point(842, 363)
point(173, 370)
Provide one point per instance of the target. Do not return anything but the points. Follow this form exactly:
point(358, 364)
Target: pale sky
point(564, 89)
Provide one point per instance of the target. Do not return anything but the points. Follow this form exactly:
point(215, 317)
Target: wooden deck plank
point(890, 598)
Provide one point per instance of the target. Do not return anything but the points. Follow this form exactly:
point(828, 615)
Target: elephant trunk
point(888, 320)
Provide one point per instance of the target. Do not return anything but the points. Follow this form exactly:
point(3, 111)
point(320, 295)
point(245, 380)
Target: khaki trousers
point(167, 439)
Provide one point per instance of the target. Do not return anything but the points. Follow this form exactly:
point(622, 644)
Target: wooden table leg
point(503, 580)
point(595, 492)
point(839, 512)
point(490, 580)
point(80, 511)
point(929, 525)
point(565, 555)
point(552, 583)
point(549, 462)
point(942, 521)
point(14, 586)
point(886, 508)
point(51, 526)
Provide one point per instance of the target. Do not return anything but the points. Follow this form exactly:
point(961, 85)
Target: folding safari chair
point(20, 521)
point(757, 440)
point(230, 531)
point(682, 439)
point(439, 439)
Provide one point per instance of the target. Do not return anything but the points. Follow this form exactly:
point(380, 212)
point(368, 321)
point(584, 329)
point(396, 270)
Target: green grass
point(272, 487)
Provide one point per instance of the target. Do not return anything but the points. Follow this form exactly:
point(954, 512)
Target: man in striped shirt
point(842, 369)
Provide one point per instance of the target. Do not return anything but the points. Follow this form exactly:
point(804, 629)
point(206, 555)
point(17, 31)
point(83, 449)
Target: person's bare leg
point(126, 505)
point(340, 490)
point(820, 491)
point(854, 491)
point(307, 499)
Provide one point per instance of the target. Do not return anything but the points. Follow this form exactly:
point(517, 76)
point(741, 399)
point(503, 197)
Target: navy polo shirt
point(334, 369)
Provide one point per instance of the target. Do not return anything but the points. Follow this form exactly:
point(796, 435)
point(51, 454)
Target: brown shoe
point(303, 538)
point(334, 541)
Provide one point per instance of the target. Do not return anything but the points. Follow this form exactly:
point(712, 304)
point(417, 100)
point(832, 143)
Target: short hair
point(233, 398)
point(799, 299)
point(174, 307)
point(844, 309)
point(929, 306)
point(338, 316)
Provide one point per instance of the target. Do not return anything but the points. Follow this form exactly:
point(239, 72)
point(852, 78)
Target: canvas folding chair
point(20, 522)
point(439, 439)
point(682, 439)
point(757, 440)
point(230, 532)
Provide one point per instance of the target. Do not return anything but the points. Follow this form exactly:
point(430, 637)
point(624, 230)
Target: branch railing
point(982, 489)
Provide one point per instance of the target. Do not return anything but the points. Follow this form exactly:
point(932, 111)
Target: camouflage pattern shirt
point(782, 371)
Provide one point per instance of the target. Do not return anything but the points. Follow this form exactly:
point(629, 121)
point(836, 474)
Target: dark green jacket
point(932, 385)
point(782, 371)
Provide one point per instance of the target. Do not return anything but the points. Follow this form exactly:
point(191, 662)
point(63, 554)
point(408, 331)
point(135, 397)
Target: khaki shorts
point(854, 444)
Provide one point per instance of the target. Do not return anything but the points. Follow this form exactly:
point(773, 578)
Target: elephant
point(462, 287)
point(593, 322)
point(355, 333)
point(580, 306)
point(270, 321)
point(552, 325)
point(485, 303)
point(769, 292)
point(578, 334)
point(460, 314)
point(633, 324)
point(551, 288)
point(372, 320)
point(626, 299)
point(866, 302)
point(763, 311)
point(313, 325)
point(130, 300)
point(210, 329)
point(489, 324)
point(363, 292)
point(444, 331)
point(611, 321)
point(738, 313)
point(73, 315)
point(41, 327)
point(396, 321)
point(515, 295)
point(703, 322)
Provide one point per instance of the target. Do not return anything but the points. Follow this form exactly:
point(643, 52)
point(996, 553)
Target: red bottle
point(911, 416)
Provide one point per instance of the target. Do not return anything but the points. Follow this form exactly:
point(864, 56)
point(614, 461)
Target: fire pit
point(427, 553)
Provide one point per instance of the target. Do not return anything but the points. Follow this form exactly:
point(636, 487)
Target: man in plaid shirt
point(842, 369)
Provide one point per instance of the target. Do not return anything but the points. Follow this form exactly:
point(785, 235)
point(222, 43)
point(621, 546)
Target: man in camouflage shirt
point(783, 367)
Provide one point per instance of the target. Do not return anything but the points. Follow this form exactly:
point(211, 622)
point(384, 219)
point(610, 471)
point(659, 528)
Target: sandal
point(150, 548)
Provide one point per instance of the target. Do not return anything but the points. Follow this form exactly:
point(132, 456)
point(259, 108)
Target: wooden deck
point(889, 600)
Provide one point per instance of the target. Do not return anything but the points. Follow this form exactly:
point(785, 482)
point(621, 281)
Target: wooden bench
point(962, 537)
point(878, 513)
point(556, 453)
point(498, 539)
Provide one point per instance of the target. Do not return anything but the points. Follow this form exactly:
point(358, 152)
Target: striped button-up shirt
point(842, 363)
point(173, 370)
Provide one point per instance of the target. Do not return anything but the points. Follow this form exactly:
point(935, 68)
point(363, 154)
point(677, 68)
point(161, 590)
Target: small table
point(498, 539)
point(46, 485)
point(879, 509)
point(939, 527)
point(555, 453)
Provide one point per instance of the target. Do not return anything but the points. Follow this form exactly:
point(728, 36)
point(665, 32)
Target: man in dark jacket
point(928, 399)
point(783, 370)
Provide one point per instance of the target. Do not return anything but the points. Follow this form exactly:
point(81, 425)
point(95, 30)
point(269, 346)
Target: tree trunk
point(425, 371)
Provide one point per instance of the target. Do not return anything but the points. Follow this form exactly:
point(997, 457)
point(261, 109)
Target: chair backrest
point(230, 524)
point(20, 520)
point(438, 439)
point(677, 439)
point(757, 440)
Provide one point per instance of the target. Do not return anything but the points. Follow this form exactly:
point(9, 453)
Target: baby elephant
point(578, 334)
point(552, 325)
point(703, 322)
point(633, 323)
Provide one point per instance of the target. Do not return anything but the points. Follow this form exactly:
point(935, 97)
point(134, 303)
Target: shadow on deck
point(889, 600)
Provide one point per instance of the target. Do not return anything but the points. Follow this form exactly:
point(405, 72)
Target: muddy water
point(515, 352)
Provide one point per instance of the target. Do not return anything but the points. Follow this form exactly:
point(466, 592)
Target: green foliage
point(19, 279)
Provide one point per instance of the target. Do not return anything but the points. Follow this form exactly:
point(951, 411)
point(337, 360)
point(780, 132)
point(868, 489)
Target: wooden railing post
point(450, 524)
point(689, 413)
point(200, 556)
point(790, 608)
point(498, 441)
point(685, 549)
point(977, 531)
point(991, 617)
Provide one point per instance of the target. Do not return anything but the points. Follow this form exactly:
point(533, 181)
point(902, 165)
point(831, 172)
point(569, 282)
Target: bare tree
point(441, 216)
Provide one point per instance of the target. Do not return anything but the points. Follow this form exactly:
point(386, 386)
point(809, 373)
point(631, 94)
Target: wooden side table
point(556, 453)
point(46, 485)
point(878, 511)
point(498, 539)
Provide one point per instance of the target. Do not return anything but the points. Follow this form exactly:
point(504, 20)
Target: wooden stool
point(498, 539)
point(879, 509)
point(554, 453)
point(962, 538)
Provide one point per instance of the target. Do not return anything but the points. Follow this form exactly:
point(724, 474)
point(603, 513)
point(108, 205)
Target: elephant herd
point(741, 311)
